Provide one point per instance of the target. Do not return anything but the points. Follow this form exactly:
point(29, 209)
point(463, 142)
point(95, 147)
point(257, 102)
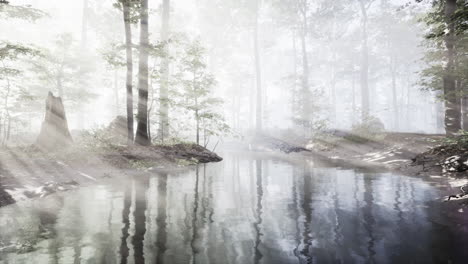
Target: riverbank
point(406, 153)
point(27, 172)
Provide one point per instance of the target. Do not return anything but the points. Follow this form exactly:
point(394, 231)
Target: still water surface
point(243, 210)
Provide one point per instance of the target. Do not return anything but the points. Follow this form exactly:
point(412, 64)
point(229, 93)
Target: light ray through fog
point(340, 131)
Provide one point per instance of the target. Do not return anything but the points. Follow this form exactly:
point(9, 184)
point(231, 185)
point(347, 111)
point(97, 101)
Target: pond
point(246, 209)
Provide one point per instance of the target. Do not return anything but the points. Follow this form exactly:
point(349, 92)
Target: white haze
point(416, 115)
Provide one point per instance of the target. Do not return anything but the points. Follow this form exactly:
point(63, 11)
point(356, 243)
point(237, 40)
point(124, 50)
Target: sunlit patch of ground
point(30, 172)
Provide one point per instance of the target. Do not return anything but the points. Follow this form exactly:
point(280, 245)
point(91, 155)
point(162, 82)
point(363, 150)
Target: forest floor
point(407, 153)
point(26, 172)
point(393, 151)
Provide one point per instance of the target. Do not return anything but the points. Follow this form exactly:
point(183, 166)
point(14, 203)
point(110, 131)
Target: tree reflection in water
point(246, 210)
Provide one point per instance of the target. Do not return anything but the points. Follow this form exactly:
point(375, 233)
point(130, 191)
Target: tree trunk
point(83, 51)
point(142, 127)
point(305, 93)
point(353, 101)
point(129, 77)
point(54, 131)
point(116, 92)
point(197, 120)
point(294, 96)
point(364, 65)
point(258, 73)
point(333, 92)
point(84, 26)
point(465, 113)
point(452, 100)
point(164, 87)
point(396, 124)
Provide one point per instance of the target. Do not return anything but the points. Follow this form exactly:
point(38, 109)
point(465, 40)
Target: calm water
point(242, 210)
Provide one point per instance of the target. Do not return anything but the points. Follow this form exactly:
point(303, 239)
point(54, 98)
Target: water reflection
point(244, 210)
point(124, 250)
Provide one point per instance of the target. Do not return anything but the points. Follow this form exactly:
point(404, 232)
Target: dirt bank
point(26, 172)
point(393, 151)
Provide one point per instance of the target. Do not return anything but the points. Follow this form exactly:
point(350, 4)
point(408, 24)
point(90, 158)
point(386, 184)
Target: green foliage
point(65, 70)
point(20, 12)
point(16, 100)
point(435, 57)
point(461, 139)
point(134, 8)
point(114, 56)
point(97, 139)
point(197, 88)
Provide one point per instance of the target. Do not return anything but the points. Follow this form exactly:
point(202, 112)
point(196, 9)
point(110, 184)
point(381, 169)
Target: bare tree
point(365, 107)
point(258, 70)
point(129, 77)
point(142, 137)
point(164, 87)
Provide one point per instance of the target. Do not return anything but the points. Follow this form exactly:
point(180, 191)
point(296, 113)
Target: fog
point(233, 131)
point(226, 31)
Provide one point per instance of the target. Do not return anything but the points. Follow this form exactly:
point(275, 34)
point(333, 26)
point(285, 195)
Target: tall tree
point(305, 90)
point(258, 69)
point(197, 84)
point(126, 4)
point(364, 6)
point(142, 137)
point(295, 14)
point(84, 25)
point(164, 86)
point(446, 57)
point(452, 103)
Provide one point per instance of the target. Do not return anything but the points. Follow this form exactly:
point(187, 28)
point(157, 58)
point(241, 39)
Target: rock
point(455, 164)
point(117, 129)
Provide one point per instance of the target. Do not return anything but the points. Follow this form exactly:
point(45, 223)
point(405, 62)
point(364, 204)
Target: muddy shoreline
point(27, 173)
point(405, 153)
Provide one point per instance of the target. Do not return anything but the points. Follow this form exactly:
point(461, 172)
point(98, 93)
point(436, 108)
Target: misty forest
point(233, 131)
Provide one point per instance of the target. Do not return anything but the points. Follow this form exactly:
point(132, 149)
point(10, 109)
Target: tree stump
point(54, 131)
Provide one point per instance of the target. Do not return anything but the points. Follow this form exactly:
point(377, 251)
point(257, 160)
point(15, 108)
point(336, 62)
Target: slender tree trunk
point(294, 96)
point(251, 106)
point(233, 112)
point(84, 26)
point(258, 73)
point(83, 51)
point(334, 72)
point(465, 112)
point(164, 87)
point(409, 102)
point(129, 77)
point(7, 118)
point(396, 124)
point(333, 90)
point(142, 127)
point(452, 100)
point(353, 103)
point(197, 120)
point(365, 107)
point(116, 92)
point(305, 93)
